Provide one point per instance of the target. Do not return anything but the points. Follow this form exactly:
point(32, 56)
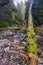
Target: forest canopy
point(16, 15)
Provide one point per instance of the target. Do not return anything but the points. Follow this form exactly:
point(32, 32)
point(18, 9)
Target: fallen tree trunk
point(31, 46)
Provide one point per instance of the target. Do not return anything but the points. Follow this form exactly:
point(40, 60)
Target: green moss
point(31, 46)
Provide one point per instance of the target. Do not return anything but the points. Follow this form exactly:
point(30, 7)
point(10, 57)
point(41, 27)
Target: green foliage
point(37, 11)
point(13, 15)
point(3, 24)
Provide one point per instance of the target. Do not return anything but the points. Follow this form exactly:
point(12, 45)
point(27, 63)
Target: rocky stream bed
point(12, 48)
